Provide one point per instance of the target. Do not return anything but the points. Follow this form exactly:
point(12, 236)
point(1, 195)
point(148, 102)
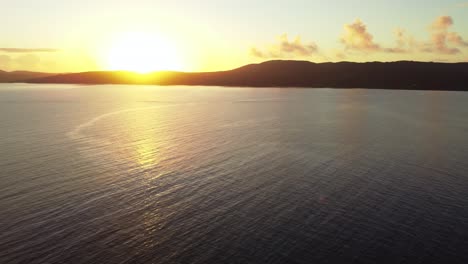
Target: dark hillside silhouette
point(378, 75)
point(17, 76)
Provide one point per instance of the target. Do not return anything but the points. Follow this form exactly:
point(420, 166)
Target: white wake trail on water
point(89, 141)
point(76, 133)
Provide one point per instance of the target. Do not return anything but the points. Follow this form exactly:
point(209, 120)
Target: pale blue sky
point(212, 27)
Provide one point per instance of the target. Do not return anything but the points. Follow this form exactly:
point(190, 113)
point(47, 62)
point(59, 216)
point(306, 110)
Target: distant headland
point(406, 75)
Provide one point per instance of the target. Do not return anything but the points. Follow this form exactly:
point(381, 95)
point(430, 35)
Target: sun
point(142, 53)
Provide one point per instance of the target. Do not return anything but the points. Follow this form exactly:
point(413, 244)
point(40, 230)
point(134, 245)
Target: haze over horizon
point(146, 36)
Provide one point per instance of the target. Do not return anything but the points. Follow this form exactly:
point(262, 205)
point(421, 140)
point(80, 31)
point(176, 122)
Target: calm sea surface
point(139, 174)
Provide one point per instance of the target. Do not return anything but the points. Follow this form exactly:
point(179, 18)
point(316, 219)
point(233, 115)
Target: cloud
point(400, 35)
point(442, 23)
point(456, 39)
point(5, 62)
point(442, 41)
point(28, 61)
point(285, 48)
point(340, 55)
point(257, 53)
point(22, 50)
point(404, 42)
point(12, 59)
point(358, 40)
point(23, 61)
point(441, 37)
point(356, 37)
point(439, 45)
point(296, 47)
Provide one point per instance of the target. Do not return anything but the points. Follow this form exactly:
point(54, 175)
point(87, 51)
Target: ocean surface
point(141, 174)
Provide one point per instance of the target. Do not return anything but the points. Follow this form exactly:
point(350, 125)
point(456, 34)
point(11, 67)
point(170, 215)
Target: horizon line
point(266, 61)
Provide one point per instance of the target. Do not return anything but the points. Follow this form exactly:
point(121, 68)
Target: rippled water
point(136, 174)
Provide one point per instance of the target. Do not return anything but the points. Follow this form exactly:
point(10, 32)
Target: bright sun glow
point(143, 53)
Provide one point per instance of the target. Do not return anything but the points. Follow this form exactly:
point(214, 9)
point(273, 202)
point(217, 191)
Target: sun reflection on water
point(146, 134)
point(144, 137)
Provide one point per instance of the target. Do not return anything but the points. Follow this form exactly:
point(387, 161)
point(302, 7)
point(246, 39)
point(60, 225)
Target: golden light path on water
point(145, 149)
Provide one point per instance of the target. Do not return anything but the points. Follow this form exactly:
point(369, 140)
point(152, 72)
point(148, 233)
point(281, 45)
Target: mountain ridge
point(18, 76)
point(290, 73)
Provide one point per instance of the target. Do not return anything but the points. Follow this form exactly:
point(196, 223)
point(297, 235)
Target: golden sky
point(209, 35)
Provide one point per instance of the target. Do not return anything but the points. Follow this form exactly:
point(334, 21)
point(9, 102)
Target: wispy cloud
point(22, 61)
point(23, 58)
point(25, 50)
point(404, 42)
point(340, 55)
point(4, 61)
point(284, 48)
point(456, 39)
point(356, 37)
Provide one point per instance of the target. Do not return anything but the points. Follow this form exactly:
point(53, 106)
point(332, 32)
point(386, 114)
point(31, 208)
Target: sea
point(149, 174)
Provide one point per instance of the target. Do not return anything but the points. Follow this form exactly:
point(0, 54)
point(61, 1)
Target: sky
point(210, 35)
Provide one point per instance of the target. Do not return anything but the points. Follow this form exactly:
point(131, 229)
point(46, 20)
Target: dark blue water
point(135, 174)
